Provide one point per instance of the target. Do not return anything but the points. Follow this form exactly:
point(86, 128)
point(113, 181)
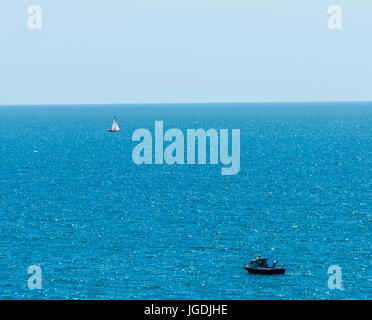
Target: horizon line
point(184, 103)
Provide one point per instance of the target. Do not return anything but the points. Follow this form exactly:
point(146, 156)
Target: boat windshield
point(262, 263)
point(259, 262)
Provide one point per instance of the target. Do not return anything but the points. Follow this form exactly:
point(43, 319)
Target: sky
point(166, 51)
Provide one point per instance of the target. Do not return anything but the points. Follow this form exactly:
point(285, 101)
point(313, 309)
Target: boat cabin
point(259, 263)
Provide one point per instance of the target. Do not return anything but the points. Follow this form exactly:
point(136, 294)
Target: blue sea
point(101, 227)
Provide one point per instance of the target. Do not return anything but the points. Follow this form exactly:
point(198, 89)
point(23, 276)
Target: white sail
point(115, 126)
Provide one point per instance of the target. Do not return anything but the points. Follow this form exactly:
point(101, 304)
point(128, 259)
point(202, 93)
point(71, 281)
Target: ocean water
point(100, 227)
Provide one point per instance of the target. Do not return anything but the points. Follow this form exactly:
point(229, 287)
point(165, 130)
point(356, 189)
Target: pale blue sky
point(145, 51)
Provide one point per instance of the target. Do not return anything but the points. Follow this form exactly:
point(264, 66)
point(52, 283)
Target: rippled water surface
point(99, 226)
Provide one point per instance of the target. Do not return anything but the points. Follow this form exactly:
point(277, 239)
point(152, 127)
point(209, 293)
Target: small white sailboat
point(114, 127)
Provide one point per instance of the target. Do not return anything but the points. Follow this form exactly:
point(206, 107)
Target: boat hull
point(110, 130)
point(266, 271)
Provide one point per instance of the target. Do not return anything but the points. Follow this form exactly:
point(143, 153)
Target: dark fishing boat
point(260, 266)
